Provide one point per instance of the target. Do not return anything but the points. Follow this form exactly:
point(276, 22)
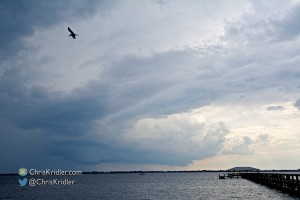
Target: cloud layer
point(136, 84)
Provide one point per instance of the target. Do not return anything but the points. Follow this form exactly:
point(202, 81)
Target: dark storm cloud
point(19, 19)
point(131, 80)
point(52, 111)
point(124, 93)
point(98, 121)
point(170, 151)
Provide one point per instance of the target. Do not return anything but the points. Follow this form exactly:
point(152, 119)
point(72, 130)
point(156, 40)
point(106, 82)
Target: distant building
point(243, 169)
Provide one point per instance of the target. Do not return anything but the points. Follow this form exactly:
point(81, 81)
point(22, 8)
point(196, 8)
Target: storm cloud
point(126, 90)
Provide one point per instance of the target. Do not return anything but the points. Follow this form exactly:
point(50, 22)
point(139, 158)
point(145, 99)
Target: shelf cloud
point(163, 83)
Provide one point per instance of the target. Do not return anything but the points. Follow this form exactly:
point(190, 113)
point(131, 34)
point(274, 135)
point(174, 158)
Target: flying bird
point(72, 33)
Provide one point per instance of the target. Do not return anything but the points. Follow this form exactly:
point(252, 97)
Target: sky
point(152, 85)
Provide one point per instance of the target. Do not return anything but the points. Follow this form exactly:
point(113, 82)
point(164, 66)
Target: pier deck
point(230, 175)
point(288, 183)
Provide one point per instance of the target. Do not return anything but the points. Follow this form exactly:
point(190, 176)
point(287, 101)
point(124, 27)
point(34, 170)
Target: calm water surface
point(134, 186)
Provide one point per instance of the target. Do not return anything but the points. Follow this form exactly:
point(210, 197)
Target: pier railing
point(288, 183)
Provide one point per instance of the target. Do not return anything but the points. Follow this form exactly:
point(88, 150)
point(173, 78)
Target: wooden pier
point(288, 183)
point(230, 175)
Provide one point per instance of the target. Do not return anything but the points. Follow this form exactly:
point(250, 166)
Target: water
point(134, 186)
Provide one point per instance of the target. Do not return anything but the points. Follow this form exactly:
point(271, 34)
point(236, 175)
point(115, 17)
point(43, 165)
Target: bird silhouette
point(72, 33)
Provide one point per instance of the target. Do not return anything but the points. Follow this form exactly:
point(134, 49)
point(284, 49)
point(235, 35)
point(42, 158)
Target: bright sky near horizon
point(155, 84)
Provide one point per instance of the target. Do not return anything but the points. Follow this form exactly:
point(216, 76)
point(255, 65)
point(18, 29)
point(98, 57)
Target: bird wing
point(70, 30)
